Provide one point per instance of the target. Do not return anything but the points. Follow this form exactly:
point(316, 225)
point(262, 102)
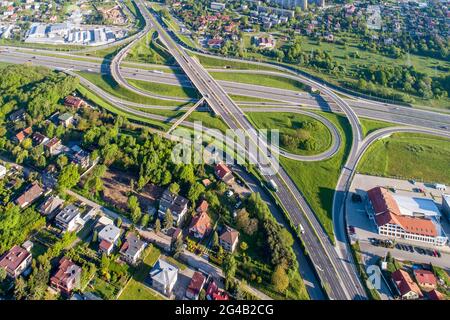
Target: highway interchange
point(333, 264)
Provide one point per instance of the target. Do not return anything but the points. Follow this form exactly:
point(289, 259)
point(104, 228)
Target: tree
point(280, 279)
point(174, 187)
point(215, 240)
point(3, 274)
point(244, 246)
point(157, 225)
point(20, 289)
point(168, 219)
point(119, 222)
point(195, 191)
point(95, 236)
point(229, 268)
point(244, 223)
point(144, 220)
point(68, 177)
point(178, 248)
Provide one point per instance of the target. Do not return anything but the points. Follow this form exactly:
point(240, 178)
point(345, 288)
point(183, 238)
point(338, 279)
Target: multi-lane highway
point(282, 98)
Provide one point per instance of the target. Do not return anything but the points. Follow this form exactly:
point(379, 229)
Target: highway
point(339, 283)
point(282, 98)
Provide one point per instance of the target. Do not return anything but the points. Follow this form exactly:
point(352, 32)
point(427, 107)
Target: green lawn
point(260, 79)
point(107, 84)
point(165, 89)
point(136, 289)
point(208, 120)
point(210, 62)
point(317, 180)
point(368, 125)
point(103, 289)
point(238, 98)
point(146, 51)
point(409, 156)
point(105, 105)
point(288, 124)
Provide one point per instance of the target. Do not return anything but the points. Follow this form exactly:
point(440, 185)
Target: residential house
point(406, 287)
point(2, 171)
point(38, 139)
point(51, 205)
point(30, 195)
point(224, 173)
point(163, 277)
point(16, 261)
point(435, 295)
point(132, 248)
point(52, 145)
point(177, 205)
point(66, 119)
point(67, 219)
point(265, 42)
point(426, 279)
point(229, 239)
point(108, 237)
point(213, 292)
point(74, 102)
point(18, 138)
point(195, 286)
point(67, 278)
point(17, 115)
point(203, 207)
point(201, 225)
point(80, 157)
point(215, 43)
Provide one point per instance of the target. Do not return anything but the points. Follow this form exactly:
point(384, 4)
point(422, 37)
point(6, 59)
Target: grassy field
point(107, 83)
point(105, 105)
point(317, 180)
point(165, 89)
point(238, 98)
point(288, 123)
point(146, 51)
point(368, 125)
point(136, 289)
point(208, 120)
point(210, 62)
point(409, 156)
point(260, 79)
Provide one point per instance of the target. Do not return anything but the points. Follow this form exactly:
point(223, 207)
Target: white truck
point(301, 229)
point(273, 185)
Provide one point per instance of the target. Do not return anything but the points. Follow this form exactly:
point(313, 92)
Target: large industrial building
point(406, 218)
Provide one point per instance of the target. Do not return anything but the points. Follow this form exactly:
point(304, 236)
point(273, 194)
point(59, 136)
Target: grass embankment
point(105, 105)
point(409, 156)
point(146, 51)
point(299, 133)
point(165, 89)
point(317, 180)
point(210, 62)
point(136, 289)
point(368, 125)
point(260, 79)
point(107, 84)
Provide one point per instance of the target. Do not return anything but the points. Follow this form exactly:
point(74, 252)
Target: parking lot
point(364, 229)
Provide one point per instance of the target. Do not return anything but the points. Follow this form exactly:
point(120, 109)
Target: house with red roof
point(223, 173)
point(67, 277)
point(22, 135)
point(30, 195)
point(74, 102)
point(229, 239)
point(201, 225)
point(213, 292)
point(195, 286)
point(406, 287)
point(16, 261)
point(426, 279)
point(203, 207)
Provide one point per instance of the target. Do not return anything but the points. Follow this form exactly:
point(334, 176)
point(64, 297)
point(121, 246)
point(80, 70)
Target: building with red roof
point(406, 287)
point(426, 279)
point(16, 261)
point(105, 247)
point(223, 173)
point(67, 277)
point(435, 295)
point(391, 222)
point(30, 195)
point(195, 286)
point(23, 134)
point(201, 225)
point(74, 102)
point(203, 207)
point(214, 293)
